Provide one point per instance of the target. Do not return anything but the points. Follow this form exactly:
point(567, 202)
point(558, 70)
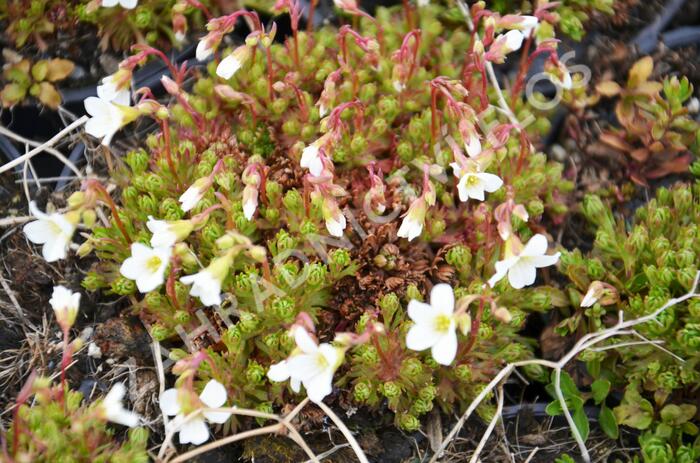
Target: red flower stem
point(168, 150)
point(113, 207)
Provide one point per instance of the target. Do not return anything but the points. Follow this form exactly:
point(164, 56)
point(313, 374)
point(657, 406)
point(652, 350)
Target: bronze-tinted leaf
point(608, 88)
point(48, 95)
point(39, 70)
point(12, 94)
point(59, 69)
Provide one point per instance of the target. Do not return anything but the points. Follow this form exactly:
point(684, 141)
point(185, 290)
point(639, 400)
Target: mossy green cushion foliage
point(392, 131)
point(63, 429)
point(155, 22)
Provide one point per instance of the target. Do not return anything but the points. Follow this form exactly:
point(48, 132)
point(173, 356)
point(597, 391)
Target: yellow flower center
point(472, 180)
point(442, 323)
point(153, 264)
point(321, 361)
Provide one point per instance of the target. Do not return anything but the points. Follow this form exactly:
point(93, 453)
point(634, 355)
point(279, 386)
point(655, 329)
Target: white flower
point(522, 267)
point(250, 201)
point(194, 193)
point(107, 118)
point(474, 184)
point(233, 62)
point(128, 4)
point(528, 24)
point(513, 40)
point(204, 49)
point(335, 220)
point(180, 36)
point(113, 409)
point(410, 228)
point(195, 431)
point(412, 225)
point(53, 230)
point(434, 325)
point(167, 233)
point(109, 91)
point(590, 298)
point(146, 266)
point(311, 364)
point(206, 284)
point(423, 3)
point(473, 146)
point(65, 305)
point(311, 159)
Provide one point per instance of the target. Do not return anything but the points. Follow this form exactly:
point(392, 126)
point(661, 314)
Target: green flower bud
point(340, 258)
point(317, 274)
point(170, 209)
point(638, 239)
point(388, 107)
point(291, 127)
point(155, 301)
point(413, 293)
point(272, 340)
point(408, 422)
point(147, 204)
point(182, 316)
point(123, 286)
point(284, 309)
point(358, 144)
point(667, 380)
point(463, 372)
point(405, 151)
point(389, 302)
point(93, 281)
point(159, 332)
point(690, 335)
point(594, 209)
point(248, 322)
point(655, 449)
point(595, 269)
point(212, 231)
point(130, 195)
point(421, 407)
point(254, 373)
point(368, 354)
point(138, 437)
point(279, 105)
point(379, 126)
point(137, 160)
point(154, 183)
point(293, 202)
point(659, 245)
point(367, 92)
point(459, 257)
point(427, 393)
point(411, 368)
point(143, 17)
point(390, 389)
point(362, 391)
point(233, 336)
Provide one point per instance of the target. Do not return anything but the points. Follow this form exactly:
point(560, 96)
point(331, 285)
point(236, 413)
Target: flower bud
point(390, 389)
point(362, 391)
point(411, 368)
point(254, 373)
point(123, 286)
point(408, 422)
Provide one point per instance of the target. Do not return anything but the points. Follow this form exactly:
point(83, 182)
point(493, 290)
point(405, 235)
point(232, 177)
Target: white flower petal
point(490, 182)
point(544, 261)
point(228, 67)
point(217, 417)
point(194, 432)
point(128, 4)
point(442, 298)
point(304, 341)
point(537, 246)
point(420, 312)
point(214, 394)
point(168, 402)
point(304, 366)
point(521, 274)
point(445, 349)
point(279, 372)
point(421, 337)
point(319, 386)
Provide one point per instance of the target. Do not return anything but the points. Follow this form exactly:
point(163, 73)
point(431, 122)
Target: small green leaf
point(581, 421)
point(600, 389)
point(12, 94)
point(607, 422)
point(39, 70)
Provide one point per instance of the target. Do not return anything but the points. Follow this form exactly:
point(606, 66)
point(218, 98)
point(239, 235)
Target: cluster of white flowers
point(310, 364)
point(190, 419)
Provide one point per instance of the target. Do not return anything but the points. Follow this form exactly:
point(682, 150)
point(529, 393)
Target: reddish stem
point(112, 206)
point(168, 150)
